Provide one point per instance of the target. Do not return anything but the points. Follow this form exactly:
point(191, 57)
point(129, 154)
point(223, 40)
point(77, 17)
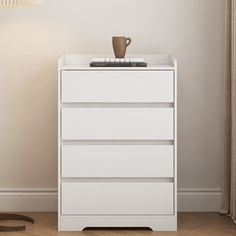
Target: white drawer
point(118, 86)
point(117, 161)
point(117, 124)
point(117, 198)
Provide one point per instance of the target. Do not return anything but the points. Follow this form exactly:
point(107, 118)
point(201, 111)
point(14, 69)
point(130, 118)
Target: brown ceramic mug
point(120, 45)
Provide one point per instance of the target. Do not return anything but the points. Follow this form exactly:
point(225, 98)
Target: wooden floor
point(189, 224)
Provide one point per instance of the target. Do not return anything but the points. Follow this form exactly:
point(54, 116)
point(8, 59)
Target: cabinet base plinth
point(79, 223)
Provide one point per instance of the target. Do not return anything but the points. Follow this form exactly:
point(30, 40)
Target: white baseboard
point(28, 200)
point(45, 200)
point(199, 200)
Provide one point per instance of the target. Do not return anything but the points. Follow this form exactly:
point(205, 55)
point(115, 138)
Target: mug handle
point(128, 41)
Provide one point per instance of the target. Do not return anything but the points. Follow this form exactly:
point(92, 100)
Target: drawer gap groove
point(117, 104)
point(117, 180)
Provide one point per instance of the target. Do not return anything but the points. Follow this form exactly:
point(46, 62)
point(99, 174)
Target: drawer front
point(117, 161)
point(117, 198)
point(118, 86)
point(117, 124)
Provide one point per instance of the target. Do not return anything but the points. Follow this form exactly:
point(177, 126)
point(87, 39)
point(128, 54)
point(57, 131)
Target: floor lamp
point(6, 216)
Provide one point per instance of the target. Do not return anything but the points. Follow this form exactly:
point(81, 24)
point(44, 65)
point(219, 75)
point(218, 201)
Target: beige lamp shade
point(19, 3)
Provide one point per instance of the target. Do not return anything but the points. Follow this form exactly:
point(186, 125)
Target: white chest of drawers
point(117, 145)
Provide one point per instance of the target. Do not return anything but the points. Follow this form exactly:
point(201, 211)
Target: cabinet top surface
point(81, 62)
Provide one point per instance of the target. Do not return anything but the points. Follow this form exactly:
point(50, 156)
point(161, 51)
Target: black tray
point(118, 64)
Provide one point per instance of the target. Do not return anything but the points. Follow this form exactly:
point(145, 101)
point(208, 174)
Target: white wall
point(31, 40)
